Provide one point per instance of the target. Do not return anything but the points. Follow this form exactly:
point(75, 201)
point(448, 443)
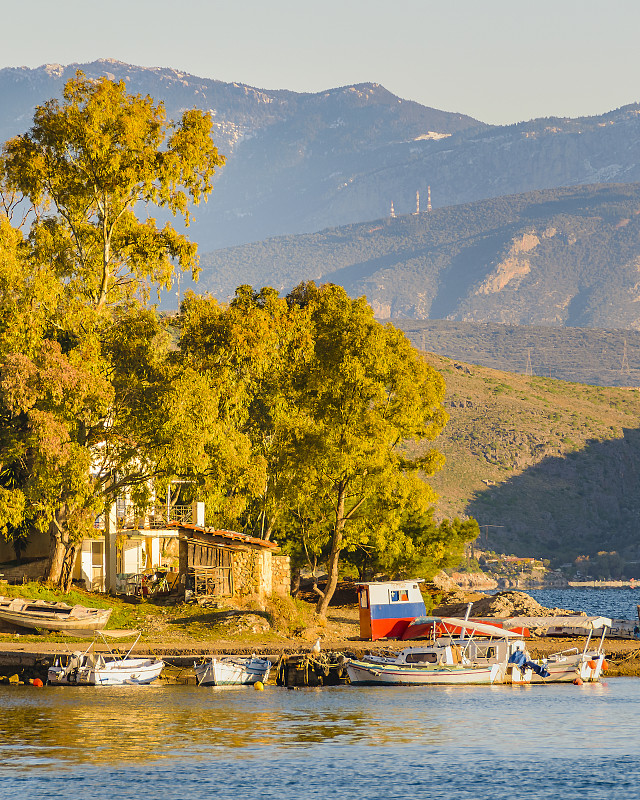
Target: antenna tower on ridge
point(392, 213)
point(428, 198)
point(417, 202)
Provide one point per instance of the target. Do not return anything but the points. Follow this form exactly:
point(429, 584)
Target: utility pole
point(486, 532)
point(528, 370)
point(624, 368)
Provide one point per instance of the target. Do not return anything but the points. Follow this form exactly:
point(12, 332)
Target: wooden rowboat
point(60, 617)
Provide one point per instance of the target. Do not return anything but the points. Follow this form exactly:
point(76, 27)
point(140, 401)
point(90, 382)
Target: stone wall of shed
point(247, 572)
point(280, 574)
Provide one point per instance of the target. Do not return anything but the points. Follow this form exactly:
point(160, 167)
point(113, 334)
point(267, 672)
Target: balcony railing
point(155, 518)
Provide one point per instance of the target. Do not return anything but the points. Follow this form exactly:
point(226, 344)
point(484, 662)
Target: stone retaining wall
point(29, 571)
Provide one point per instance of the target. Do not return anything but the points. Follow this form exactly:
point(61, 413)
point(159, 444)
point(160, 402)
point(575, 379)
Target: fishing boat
point(92, 668)
point(449, 662)
point(231, 671)
point(571, 664)
point(421, 666)
point(59, 617)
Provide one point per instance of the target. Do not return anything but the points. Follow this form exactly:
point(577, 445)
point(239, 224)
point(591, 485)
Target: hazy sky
point(500, 61)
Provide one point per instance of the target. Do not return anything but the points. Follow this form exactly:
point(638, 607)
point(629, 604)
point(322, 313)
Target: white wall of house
point(132, 557)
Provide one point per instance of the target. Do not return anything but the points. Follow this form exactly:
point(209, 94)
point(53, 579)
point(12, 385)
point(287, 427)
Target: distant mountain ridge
point(302, 162)
point(266, 131)
point(560, 257)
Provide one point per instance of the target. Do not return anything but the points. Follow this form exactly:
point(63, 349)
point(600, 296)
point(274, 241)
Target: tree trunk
point(57, 552)
point(334, 557)
point(268, 530)
point(58, 543)
point(67, 567)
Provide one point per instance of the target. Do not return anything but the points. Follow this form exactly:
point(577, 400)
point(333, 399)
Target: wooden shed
point(230, 564)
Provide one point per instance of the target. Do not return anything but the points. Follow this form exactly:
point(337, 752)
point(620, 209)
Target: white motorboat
point(421, 666)
point(231, 671)
point(96, 669)
point(572, 663)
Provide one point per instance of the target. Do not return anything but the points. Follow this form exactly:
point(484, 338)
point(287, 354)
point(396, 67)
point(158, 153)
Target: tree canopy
point(299, 418)
point(88, 166)
point(331, 399)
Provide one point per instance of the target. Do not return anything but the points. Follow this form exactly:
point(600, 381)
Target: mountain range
point(302, 162)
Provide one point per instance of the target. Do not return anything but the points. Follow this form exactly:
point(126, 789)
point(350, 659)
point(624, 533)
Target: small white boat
point(569, 665)
point(230, 671)
point(59, 617)
point(572, 664)
point(95, 669)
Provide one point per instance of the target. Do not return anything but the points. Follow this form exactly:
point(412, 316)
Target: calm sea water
point(615, 603)
point(182, 743)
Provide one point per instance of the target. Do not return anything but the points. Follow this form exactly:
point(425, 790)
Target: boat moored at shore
point(91, 668)
point(58, 617)
point(232, 671)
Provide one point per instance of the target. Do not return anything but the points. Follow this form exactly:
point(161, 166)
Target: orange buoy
point(591, 664)
point(578, 681)
point(605, 665)
point(37, 682)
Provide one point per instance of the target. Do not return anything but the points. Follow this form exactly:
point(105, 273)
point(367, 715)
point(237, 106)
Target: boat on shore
point(59, 617)
point(231, 671)
point(96, 669)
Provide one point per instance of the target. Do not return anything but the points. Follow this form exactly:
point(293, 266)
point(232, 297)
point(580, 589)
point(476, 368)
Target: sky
point(500, 61)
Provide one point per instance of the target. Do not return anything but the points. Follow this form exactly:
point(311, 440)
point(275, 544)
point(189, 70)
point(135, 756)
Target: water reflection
point(125, 727)
point(144, 723)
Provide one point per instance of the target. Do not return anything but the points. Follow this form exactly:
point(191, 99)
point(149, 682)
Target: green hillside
point(548, 468)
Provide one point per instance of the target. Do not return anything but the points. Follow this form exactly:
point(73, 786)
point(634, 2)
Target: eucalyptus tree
point(329, 399)
point(90, 165)
point(89, 399)
point(363, 395)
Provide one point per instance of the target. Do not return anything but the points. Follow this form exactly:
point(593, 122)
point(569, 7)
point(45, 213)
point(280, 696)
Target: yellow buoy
point(259, 686)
